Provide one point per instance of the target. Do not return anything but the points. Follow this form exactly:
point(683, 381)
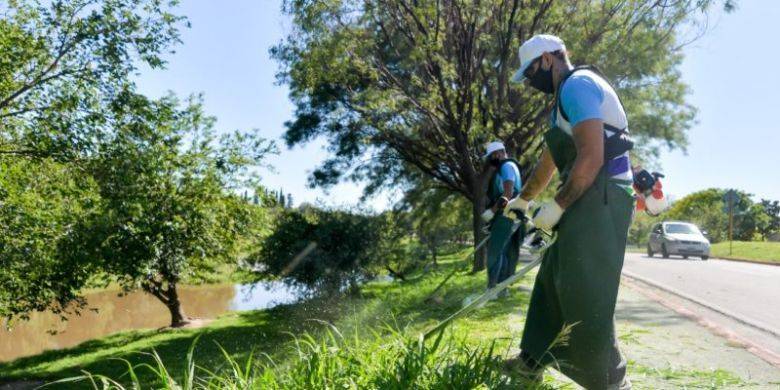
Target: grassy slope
point(399, 305)
point(762, 251)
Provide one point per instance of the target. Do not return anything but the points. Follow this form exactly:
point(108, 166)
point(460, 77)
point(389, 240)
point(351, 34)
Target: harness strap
point(616, 144)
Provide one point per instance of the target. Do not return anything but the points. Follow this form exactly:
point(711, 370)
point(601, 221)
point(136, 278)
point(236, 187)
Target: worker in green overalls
point(506, 232)
point(577, 284)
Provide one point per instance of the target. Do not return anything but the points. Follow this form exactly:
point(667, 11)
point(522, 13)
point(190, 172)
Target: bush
point(324, 251)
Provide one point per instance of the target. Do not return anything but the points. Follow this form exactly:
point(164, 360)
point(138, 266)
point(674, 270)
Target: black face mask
point(542, 80)
point(495, 162)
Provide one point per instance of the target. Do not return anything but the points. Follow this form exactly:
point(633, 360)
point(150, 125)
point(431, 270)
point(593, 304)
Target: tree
point(170, 207)
point(707, 210)
point(639, 232)
point(772, 211)
point(439, 216)
point(62, 64)
point(40, 201)
point(408, 89)
point(63, 68)
point(321, 251)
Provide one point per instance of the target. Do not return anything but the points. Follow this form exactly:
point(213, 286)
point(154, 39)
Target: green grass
point(369, 340)
point(270, 332)
point(692, 379)
point(760, 251)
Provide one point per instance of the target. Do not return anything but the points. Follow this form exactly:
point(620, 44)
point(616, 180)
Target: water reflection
point(137, 310)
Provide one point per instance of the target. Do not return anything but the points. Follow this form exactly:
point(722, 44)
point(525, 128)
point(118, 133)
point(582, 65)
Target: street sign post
point(730, 198)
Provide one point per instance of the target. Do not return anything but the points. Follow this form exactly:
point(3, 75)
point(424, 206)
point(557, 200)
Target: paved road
point(750, 292)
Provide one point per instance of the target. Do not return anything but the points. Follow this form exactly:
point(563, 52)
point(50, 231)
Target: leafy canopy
point(399, 87)
point(63, 63)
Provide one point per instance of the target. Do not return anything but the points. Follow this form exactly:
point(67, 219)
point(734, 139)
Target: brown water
point(137, 310)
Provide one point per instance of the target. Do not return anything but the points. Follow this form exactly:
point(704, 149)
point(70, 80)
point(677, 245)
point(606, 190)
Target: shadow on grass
point(238, 333)
point(270, 331)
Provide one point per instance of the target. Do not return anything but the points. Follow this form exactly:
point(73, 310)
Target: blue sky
point(731, 72)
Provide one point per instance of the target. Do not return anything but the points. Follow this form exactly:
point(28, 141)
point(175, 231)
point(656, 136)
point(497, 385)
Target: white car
point(678, 238)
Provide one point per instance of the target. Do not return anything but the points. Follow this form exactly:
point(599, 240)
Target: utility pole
point(730, 198)
point(731, 227)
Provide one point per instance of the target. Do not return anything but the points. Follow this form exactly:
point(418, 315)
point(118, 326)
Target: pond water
point(137, 310)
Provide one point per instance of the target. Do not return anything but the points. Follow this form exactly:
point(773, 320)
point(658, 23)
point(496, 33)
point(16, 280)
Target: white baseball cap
point(533, 49)
point(492, 147)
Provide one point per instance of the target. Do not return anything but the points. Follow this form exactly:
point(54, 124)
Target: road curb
point(776, 264)
point(717, 309)
point(758, 350)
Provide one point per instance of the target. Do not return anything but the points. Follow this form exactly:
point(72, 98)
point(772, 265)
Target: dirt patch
point(192, 323)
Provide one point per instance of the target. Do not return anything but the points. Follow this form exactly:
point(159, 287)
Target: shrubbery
point(326, 251)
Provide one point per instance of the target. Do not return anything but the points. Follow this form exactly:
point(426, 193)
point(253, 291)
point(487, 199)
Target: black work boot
point(625, 384)
point(518, 367)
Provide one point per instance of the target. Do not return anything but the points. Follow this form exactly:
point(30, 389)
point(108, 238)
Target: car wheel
point(649, 251)
point(705, 258)
point(664, 252)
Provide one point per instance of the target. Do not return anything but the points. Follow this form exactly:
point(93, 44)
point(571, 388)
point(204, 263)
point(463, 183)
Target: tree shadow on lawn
point(264, 331)
point(242, 334)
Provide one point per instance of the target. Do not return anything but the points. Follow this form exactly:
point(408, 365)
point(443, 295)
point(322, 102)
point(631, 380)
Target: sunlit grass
point(368, 341)
point(691, 379)
point(761, 251)
point(387, 360)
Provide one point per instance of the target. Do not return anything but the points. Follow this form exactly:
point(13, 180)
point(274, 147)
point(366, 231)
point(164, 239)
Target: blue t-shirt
point(581, 98)
point(508, 172)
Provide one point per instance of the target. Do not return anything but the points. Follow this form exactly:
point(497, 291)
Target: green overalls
point(578, 280)
point(504, 245)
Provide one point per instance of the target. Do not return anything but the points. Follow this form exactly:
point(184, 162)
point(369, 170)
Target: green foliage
point(348, 248)
point(40, 201)
point(440, 218)
point(399, 253)
point(639, 232)
point(428, 83)
point(168, 205)
point(772, 221)
point(706, 209)
point(63, 63)
point(407, 92)
point(65, 69)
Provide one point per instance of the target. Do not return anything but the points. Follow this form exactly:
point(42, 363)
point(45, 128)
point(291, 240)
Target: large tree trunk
point(170, 298)
point(178, 319)
point(480, 256)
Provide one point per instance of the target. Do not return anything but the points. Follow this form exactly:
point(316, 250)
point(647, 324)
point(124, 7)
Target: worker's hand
point(519, 203)
point(487, 215)
point(547, 215)
point(502, 202)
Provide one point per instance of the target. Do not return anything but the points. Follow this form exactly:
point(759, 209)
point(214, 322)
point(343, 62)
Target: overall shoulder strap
point(598, 72)
point(509, 160)
point(492, 195)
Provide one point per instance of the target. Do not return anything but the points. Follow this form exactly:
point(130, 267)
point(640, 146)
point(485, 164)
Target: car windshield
point(682, 228)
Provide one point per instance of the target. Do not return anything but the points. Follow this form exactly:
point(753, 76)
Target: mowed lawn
point(761, 251)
